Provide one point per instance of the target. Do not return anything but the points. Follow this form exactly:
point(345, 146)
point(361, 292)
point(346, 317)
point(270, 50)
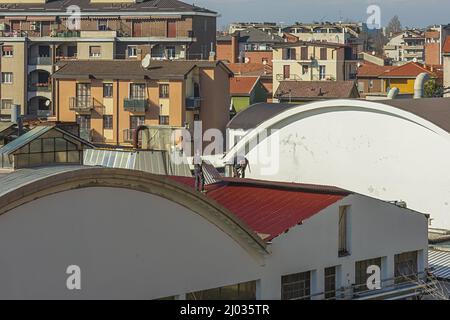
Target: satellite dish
point(47, 103)
point(145, 63)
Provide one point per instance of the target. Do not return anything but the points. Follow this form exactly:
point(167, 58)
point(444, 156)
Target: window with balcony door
point(83, 98)
point(323, 54)
point(164, 120)
point(171, 29)
point(7, 77)
point(136, 121)
point(170, 52)
point(6, 104)
point(107, 122)
point(330, 283)
point(343, 242)
point(107, 90)
point(304, 53)
point(102, 24)
point(95, 51)
point(132, 51)
point(322, 72)
point(7, 51)
point(164, 91)
point(137, 91)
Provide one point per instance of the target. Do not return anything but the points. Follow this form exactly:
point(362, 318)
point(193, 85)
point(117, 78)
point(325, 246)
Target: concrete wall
point(366, 147)
point(148, 247)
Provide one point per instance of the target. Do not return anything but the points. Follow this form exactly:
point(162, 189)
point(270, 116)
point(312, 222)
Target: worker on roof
point(198, 172)
point(240, 165)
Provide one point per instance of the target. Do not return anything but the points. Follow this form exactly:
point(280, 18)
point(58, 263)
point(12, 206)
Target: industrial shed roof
point(34, 134)
point(270, 208)
point(439, 262)
point(256, 114)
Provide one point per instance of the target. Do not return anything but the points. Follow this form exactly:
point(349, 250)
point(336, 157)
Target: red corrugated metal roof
point(267, 208)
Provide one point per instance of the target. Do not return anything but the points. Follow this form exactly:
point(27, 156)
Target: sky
point(412, 13)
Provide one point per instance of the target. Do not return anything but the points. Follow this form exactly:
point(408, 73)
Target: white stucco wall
point(362, 146)
point(130, 244)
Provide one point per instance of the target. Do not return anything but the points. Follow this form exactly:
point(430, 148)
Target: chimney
point(234, 47)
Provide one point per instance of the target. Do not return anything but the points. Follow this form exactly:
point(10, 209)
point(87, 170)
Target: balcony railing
point(193, 103)
point(135, 104)
point(128, 135)
point(81, 104)
point(40, 61)
point(40, 86)
point(292, 77)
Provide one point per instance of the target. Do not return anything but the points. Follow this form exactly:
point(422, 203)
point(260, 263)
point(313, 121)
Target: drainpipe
point(419, 85)
point(117, 91)
point(393, 93)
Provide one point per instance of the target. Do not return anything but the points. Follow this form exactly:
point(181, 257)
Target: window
point(164, 91)
point(7, 51)
point(108, 122)
point(102, 24)
point(6, 104)
point(330, 283)
point(305, 69)
point(322, 71)
point(361, 274)
point(241, 291)
point(7, 77)
point(132, 51)
point(136, 121)
point(343, 225)
point(304, 53)
point(323, 54)
point(107, 90)
point(95, 51)
point(405, 266)
point(137, 90)
point(164, 120)
point(289, 54)
point(296, 286)
point(170, 52)
point(286, 72)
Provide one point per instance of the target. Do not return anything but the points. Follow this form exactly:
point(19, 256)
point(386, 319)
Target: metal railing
point(81, 104)
point(135, 104)
point(193, 103)
point(40, 61)
point(292, 77)
point(40, 86)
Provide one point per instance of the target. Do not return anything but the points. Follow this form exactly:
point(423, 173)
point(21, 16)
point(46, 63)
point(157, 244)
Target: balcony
point(40, 61)
point(81, 104)
point(135, 104)
point(65, 34)
point(193, 103)
point(291, 77)
point(40, 86)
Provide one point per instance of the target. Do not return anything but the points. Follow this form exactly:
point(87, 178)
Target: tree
point(432, 89)
point(394, 26)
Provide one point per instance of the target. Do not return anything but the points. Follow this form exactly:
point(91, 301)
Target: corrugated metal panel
point(269, 210)
point(439, 262)
point(156, 162)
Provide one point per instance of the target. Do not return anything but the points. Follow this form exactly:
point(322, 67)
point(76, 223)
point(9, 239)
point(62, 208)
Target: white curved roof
point(368, 147)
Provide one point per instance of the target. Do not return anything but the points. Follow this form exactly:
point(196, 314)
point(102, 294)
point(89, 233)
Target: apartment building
point(250, 46)
point(406, 46)
point(434, 41)
point(313, 61)
point(335, 32)
point(36, 35)
point(109, 104)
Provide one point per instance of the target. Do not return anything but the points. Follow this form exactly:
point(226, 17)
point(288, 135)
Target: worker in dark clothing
point(198, 172)
point(240, 165)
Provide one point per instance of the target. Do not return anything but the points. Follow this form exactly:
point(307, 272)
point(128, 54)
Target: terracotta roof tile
point(369, 69)
point(447, 45)
point(316, 89)
point(242, 85)
point(408, 70)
